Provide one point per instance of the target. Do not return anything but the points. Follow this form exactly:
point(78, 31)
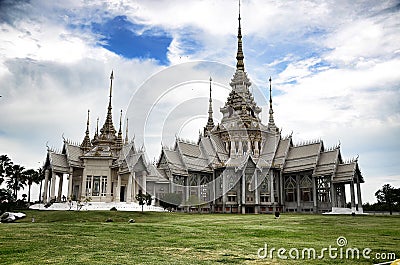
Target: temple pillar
point(83, 185)
point(360, 207)
point(272, 194)
point(298, 192)
point(333, 195)
point(186, 192)
point(109, 197)
point(233, 148)
point(224, 191)
point(134, 186)
point(153, 197)
point(144, 180)
point(281, 189)
point(353, 203)
point(243, 189)
point(249, 147)
point(46, 186)
point(240, 148)
point(199, 187)
point(214, 191)
point(129, 191)
point(70, 184)
point(60, 185)
point(53, 186)
point(314, 187)
point(256, 193)
point(118, 189)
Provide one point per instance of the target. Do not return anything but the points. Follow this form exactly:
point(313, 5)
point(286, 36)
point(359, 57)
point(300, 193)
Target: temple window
point(264, 197)
point(96, 186)
point(306, 189)
point(324, 187)
point(290, 189)
point(88, 186)
point(232, 196)
point(103, 186)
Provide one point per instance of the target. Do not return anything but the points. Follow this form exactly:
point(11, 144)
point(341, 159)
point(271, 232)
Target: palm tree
point(31, 176)
point(5, 167)
point(40, 180)
point(17, 179)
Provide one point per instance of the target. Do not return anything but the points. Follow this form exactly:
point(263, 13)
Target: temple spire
point(108, 130)
point(210, 121)
point(97, 127)
point(119, 137)
point(126, 132)
point(271, 122)
point(239, 55)
point(86, 140)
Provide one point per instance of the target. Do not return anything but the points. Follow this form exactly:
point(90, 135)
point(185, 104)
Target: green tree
point(40, 178)
point(31, 176)
point(5, 167)
point(6, 200)
point(388, 196)
point(143, 199)
point(16, 180)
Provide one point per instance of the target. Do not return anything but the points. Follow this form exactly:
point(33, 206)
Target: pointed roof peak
point(86, 144)
point(108, 131)
point(271, 122)
point(239, 54)
point(119, 141)
point(210, 121)
point(126, 132)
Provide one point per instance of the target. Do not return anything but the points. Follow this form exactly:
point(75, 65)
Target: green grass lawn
point(69, 237)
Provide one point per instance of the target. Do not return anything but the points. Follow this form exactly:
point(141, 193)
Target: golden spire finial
point(239, 55)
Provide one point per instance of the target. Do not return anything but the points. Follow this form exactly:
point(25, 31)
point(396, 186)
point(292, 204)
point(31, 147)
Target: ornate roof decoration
point(108, 131)
point(271, 123)
point(210, 121)
point(86, 144)
point(239, 55)
point(119, 141)
point(126, 132)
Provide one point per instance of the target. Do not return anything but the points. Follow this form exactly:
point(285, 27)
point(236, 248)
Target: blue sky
point(334, 68)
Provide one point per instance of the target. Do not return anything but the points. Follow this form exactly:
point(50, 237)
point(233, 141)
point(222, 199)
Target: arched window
point(290, 189)
point(231, 182)
point(306, 189)
point(204, 180)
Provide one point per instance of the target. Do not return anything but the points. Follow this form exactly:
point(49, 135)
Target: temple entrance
point(75, 193)
point(249, 209)
point(122, 194)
